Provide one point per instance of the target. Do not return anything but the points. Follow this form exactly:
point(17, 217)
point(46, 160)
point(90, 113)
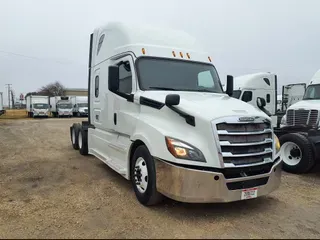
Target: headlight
point(182, 150)
point(277, 143)
point(284, 120)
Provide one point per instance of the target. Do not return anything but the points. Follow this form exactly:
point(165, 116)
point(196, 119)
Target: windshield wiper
point(182, 89)
point(310, 98)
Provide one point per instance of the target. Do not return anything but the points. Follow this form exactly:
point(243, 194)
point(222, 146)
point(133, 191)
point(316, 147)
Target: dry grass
point(14, 114)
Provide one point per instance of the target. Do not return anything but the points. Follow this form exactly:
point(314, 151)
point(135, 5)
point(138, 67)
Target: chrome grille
point(302, 117)
point(245, 143)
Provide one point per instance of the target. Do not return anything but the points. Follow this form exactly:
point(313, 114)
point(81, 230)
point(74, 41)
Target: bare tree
point(52, 89)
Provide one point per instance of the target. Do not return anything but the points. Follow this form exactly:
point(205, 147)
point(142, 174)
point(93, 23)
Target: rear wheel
point(83, 142)
point(143, 177)
point(74, 135)
point(297, 153)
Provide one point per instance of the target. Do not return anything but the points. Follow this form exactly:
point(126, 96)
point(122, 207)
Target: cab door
point(123, 110)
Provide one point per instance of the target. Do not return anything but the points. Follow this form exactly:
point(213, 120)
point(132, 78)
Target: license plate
point(249, 193)
point(41, 112)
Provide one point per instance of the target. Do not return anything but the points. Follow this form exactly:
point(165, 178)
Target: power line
point(40, 59)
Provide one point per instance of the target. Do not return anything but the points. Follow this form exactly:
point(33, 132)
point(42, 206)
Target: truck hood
point(306, 104)
point(208, 105)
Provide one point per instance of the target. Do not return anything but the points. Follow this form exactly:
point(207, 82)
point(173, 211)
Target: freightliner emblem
point(246, 119)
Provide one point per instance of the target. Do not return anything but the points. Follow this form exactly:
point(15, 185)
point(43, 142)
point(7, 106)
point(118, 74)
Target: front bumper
point(83, 113)
point(65, 113)
point(40, 114)
point(198, 186)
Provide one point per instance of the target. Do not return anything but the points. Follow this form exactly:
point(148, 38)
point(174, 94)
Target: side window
point(96, 86)
point(268, 98)
point(100, 43)
point(125, 77)
point(247, 96)
point(205, 79)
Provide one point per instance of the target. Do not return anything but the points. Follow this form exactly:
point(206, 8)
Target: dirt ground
point(49, 190)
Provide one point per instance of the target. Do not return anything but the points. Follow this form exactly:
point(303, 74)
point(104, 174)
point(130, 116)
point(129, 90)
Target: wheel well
point(133, 148)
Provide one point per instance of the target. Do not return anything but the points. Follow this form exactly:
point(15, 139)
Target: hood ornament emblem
point(246, 119)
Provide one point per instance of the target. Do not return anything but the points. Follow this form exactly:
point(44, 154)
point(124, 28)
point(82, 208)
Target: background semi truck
point(37, 106)
point(61, 106)
point(159, 117)
point(299, 133)
point(80, 105)
point(264, 85)
point(2, 111)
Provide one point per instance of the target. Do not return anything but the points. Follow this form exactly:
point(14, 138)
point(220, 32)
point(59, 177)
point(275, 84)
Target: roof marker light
point(181, 55)
point(143, 51)
point(188, 55)
point(209, 59)
point(173, 53)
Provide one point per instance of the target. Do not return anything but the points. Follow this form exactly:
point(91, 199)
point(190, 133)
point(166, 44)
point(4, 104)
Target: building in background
point(76, 92)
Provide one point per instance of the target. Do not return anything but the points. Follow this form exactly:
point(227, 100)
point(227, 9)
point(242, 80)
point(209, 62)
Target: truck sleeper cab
point(159, 117)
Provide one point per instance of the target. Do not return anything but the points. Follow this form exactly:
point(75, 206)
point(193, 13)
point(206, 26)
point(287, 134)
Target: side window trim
point(130, 96)
point(101, 39)
point(96, 86)
point(268, 98)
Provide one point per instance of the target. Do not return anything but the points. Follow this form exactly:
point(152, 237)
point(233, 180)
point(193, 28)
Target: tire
point(149, 195)
point(296, 153)
point(74, 134)
point(83, 141)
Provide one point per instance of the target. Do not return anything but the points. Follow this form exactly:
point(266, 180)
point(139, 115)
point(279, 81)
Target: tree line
point(51, 90)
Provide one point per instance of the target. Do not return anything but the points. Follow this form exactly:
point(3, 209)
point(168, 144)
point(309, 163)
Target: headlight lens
point(182, 150)
point(277, 143)
point(284, 120)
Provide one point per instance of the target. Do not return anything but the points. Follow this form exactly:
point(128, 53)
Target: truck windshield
point(65, 105)
point(177, 75)
point(82, 104)
point(40, 106)
point(312, 92)
point(236, 94)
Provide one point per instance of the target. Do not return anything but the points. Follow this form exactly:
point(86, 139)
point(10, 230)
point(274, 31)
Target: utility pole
point(9, 85)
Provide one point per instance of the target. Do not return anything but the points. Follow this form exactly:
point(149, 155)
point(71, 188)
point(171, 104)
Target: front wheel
point(297, 153)
point(143, 177)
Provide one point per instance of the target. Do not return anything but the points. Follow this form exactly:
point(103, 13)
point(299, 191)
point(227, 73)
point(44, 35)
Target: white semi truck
point(299, 134)
point(80, 105)
point(37, 106)
point(2, 111)
point(159, 117)
point(264, 85)
point(61, 106)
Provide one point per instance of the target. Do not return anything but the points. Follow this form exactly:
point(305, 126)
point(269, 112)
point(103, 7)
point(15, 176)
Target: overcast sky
point(47, 40)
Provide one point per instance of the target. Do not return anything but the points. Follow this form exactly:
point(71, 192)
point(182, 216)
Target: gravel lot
point(48, 190)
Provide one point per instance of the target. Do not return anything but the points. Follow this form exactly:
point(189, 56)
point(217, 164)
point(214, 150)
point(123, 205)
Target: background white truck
point(61, 106)
point(80, 105)
point(159, 117)
point(299, 134)
point(2, 111)
point(264, 85)
point(37, 106)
